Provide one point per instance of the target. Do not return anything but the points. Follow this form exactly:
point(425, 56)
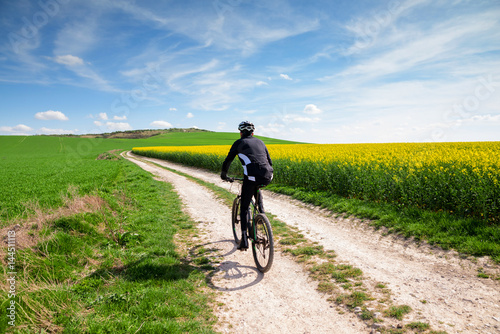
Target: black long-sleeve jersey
point(254, 157)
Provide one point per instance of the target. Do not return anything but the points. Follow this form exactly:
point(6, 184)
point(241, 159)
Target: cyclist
point(257, 168)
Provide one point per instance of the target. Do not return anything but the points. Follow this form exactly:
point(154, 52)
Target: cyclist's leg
point(247, 191)
point(258, 199)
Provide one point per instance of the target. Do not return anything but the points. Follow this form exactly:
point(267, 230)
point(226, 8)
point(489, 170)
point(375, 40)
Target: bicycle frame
point(258, 228)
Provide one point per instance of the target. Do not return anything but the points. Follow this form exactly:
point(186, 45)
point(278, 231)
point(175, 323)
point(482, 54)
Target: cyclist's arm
point(269, 157)
point(230, 157)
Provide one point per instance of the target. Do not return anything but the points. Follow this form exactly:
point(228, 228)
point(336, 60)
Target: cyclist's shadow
point(228, 275)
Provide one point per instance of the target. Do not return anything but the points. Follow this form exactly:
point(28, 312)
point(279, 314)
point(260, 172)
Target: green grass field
point(39, 169)
point(116, 269)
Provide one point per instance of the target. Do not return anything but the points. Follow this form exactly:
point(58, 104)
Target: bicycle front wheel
point(235, 220)
point(263, 244)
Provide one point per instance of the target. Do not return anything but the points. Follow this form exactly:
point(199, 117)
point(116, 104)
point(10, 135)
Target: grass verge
point(465, 235)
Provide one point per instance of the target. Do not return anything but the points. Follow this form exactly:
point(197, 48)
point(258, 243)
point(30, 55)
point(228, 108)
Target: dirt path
point(441, 288)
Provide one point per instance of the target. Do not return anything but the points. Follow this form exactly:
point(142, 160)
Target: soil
point(442, 288)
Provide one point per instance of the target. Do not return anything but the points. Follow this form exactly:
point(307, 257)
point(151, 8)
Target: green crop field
point(107, 268)
point(39, 169)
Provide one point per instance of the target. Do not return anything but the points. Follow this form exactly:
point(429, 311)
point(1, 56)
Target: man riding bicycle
point(257, 168)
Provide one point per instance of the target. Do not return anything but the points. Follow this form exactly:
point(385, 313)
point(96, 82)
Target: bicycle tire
point(263, 243)
point(235, 220)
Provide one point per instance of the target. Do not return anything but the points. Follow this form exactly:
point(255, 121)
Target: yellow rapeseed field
point(462, 178)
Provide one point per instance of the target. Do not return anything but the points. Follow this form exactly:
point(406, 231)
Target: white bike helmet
point(246, 126)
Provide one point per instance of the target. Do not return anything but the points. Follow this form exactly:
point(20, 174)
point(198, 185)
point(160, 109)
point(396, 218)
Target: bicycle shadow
point(232, 276)
point(228, 275)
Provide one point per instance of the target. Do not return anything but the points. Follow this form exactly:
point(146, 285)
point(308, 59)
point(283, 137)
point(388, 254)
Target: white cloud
point(217, 90)
point(120, 118)
point(228, 26)
point(161, 124)
point(285, 76)
point(173, 109)
point(249, 112)
point(78, 37)
point(69, 60)
point(112, 126)
point(297, 130)
point(481, 118)
point(21, 127)
point(189, 115)
point(96, 81)
point(103, 116)
point(51, 115)
point(262, 83)
point(190, 70)
point(48, 131)
point(312, 109)
point(15, 129)
point(306, 119)
point(97, 123)
point(440, 45)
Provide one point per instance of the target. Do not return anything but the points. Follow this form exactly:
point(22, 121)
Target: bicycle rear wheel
point(263, 244)
point(235, 220)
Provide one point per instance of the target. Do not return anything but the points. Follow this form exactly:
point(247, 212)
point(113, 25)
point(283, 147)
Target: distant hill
point(176, 137)
point(180, 137)
point(201, 138)
point(136, 134)
point(122, 140)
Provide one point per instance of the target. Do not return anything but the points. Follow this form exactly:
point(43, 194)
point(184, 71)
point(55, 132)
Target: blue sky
point(317, 71)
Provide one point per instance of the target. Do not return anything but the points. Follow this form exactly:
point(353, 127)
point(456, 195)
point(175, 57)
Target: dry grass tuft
point(110, 155)
point(40, 218)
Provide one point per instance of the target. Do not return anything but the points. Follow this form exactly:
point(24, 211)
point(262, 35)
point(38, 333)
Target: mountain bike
point(258, 230)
